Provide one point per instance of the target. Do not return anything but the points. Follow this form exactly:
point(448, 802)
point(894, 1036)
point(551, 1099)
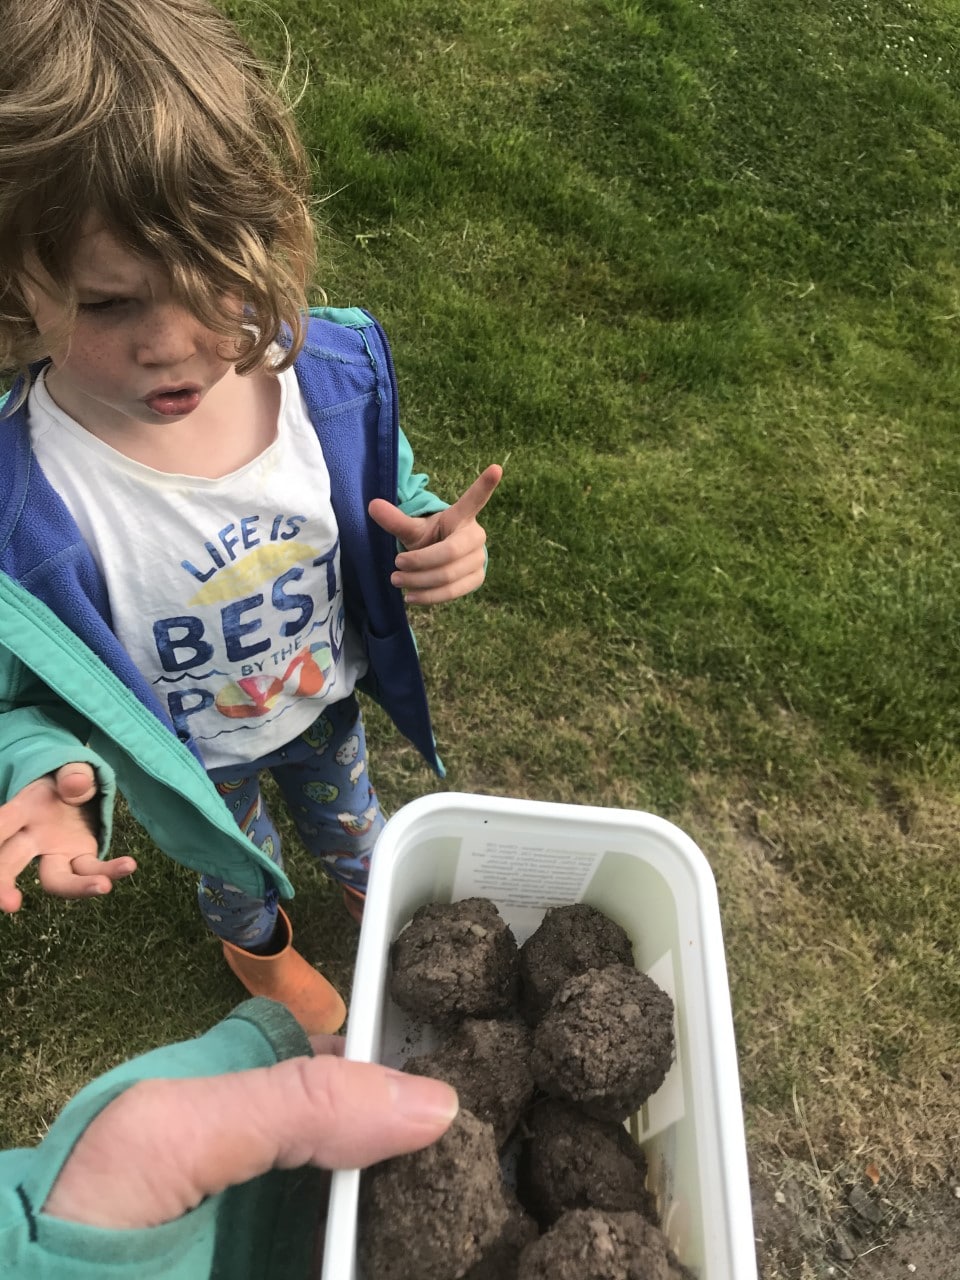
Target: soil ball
point(488, 1063)
point(587, 1244)
point(501, 1260)
point(430, 1215)
point(455, 960)
point(570, 940)
point(573, 1161)
point(606, 1042)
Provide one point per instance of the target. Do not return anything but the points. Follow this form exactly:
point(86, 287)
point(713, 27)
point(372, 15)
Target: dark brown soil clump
point(606, 1042)
point(569, 941)
point(573, 1161)
point(501, 1260)
point(586, 1244)
point(432, 1214)
point(597, 1038)
point(488, 1063)
point(455, 960)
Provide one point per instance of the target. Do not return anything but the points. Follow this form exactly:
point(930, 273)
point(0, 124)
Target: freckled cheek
point(90, 361)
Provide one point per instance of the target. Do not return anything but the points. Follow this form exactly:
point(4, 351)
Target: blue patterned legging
point(323, 778)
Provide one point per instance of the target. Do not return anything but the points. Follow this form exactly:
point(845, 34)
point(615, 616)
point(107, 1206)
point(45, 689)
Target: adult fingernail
point(423, 1099)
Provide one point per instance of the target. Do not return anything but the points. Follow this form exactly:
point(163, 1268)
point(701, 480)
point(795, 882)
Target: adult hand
point(444, 553)
point(164, 1145)
point(54, 819)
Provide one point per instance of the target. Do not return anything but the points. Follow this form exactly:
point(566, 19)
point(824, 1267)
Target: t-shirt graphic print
point(226, 592)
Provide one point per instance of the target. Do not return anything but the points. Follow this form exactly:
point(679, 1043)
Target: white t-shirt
point(226, 593)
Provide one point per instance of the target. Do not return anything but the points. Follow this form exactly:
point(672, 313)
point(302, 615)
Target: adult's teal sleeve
point(261, 1230)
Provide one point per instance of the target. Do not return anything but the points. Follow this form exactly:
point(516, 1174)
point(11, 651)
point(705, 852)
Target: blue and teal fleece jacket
point(69, 690)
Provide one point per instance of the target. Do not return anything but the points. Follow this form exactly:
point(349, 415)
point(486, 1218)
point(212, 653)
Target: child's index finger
point(472, 501)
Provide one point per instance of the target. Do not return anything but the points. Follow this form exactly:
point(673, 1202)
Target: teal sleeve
point(261, 1230)
point(34, 742)
point(413, 496)
point(46, 671)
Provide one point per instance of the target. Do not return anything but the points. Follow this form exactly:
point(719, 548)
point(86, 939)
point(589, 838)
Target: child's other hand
point(444, 553)
point(52, 819)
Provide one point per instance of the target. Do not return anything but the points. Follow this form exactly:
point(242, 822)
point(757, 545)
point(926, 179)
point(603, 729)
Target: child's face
point(134, 354)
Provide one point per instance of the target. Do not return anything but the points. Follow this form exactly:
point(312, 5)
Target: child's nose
point(166, 335)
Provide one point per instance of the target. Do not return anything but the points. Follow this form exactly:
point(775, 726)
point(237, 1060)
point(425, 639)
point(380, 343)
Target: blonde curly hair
point(155, 118)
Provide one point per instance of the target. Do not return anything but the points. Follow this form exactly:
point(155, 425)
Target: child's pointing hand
point(443, 555)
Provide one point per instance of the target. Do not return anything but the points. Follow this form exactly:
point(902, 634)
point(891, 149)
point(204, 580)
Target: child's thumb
point(406, 529)
point(76, 783)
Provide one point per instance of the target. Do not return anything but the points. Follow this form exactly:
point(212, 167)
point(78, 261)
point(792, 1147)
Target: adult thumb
point(165, 1145)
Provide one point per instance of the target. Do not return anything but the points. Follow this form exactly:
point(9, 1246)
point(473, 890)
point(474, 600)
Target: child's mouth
point(175, 402)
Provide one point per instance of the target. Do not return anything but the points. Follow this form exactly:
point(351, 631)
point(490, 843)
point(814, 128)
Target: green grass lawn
point(692, 273)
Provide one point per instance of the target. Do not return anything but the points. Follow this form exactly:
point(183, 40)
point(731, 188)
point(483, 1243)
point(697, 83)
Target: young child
point(202, 488)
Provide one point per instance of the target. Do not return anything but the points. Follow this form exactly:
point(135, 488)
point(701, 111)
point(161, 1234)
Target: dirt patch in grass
point(808, 1230)
point(839, 919)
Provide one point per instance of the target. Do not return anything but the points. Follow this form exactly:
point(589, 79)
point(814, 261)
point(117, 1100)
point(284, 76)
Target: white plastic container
point(653, 880)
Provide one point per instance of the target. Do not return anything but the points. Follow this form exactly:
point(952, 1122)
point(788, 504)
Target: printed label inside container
point(519, 873)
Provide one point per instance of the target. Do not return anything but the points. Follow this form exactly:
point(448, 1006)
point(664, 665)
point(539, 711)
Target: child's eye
point(105, 304)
